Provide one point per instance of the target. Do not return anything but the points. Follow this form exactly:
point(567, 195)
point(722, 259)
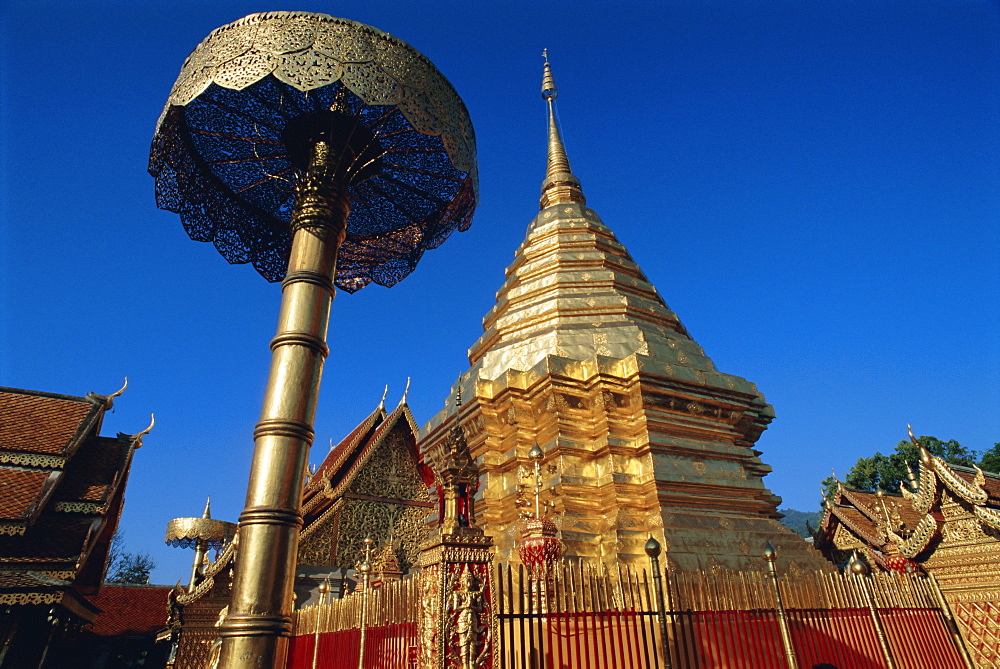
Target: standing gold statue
point(467, 607)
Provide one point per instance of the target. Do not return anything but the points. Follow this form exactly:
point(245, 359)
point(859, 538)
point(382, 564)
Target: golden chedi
point(581, 355)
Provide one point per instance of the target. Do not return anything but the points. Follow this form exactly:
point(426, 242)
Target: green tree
point(888, 471)
point(990, 460)
point(126, 567)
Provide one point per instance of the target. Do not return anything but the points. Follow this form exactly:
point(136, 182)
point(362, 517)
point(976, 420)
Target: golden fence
point(740, 591)
point(576, 615)
point(589, 616)
point(371, 628)
point(584, 616)
point(391, 602)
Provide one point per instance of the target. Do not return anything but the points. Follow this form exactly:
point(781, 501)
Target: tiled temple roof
point(61, 490)
point(21, 488)
point(905, 524)
point(44, 423)
point(130, 609)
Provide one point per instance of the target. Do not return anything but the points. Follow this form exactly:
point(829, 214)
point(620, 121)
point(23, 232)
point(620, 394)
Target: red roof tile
point(896, 505)
point(340, 453)
point(39, 423)
point(18, 489)
point(92, 470)
point(858, 522)
point(130, 609)
point(54, 538)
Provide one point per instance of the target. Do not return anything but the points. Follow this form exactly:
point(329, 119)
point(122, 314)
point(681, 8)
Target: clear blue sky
point(812, 186)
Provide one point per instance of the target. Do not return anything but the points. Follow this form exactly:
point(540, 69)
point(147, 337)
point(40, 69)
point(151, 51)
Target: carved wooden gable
point(378, 491)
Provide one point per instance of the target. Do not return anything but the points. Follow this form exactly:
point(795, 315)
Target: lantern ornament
point(324, 152)
point(539, 546)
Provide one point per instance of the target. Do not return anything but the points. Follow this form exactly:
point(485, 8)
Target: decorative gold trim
point(922, 535)
point(80, 507)
point(29, 598)
point(187, 531)
point(314, 526)
point(858, 531)
point(64, 575)
point(33, 460)
point(990, 517)
point(12, 529)
point(210, 573)
point(973, 494)
point(307, 51)
point(923, 500)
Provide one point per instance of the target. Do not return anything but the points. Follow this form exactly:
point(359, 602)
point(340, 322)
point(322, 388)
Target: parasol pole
point(228, 183)
point(259, 623)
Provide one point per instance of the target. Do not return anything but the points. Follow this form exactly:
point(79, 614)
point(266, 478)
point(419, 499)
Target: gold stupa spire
point(581, 353)
point(560, 186)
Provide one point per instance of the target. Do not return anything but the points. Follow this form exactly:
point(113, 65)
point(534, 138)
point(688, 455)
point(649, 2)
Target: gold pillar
point(256, 630)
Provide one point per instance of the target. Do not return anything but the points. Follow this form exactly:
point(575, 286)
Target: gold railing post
point(951, 623)
point(653, 551)
point(771, 556)
point(365, 571)
point(256, 631)
point(860, 570)
point(324, 592)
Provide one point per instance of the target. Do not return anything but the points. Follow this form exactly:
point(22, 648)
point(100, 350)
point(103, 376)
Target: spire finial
point(385, 391)
point(207, 513)
point(549, 90)
point(406, 391)
point(560, 186)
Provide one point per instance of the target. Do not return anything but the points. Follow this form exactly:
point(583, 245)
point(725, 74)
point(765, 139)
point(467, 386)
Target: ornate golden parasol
point(324, 152)
point(202, 534)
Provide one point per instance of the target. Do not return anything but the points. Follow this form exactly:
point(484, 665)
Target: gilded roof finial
point(137, 438)
point(911, 478)
point(119, 391)
point(406, 391)
point(207, 513)
point(925, 455)
point(385, 391)
point(560, 186)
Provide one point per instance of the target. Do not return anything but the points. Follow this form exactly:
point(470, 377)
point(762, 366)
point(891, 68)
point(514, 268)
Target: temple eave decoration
point(946, 523)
